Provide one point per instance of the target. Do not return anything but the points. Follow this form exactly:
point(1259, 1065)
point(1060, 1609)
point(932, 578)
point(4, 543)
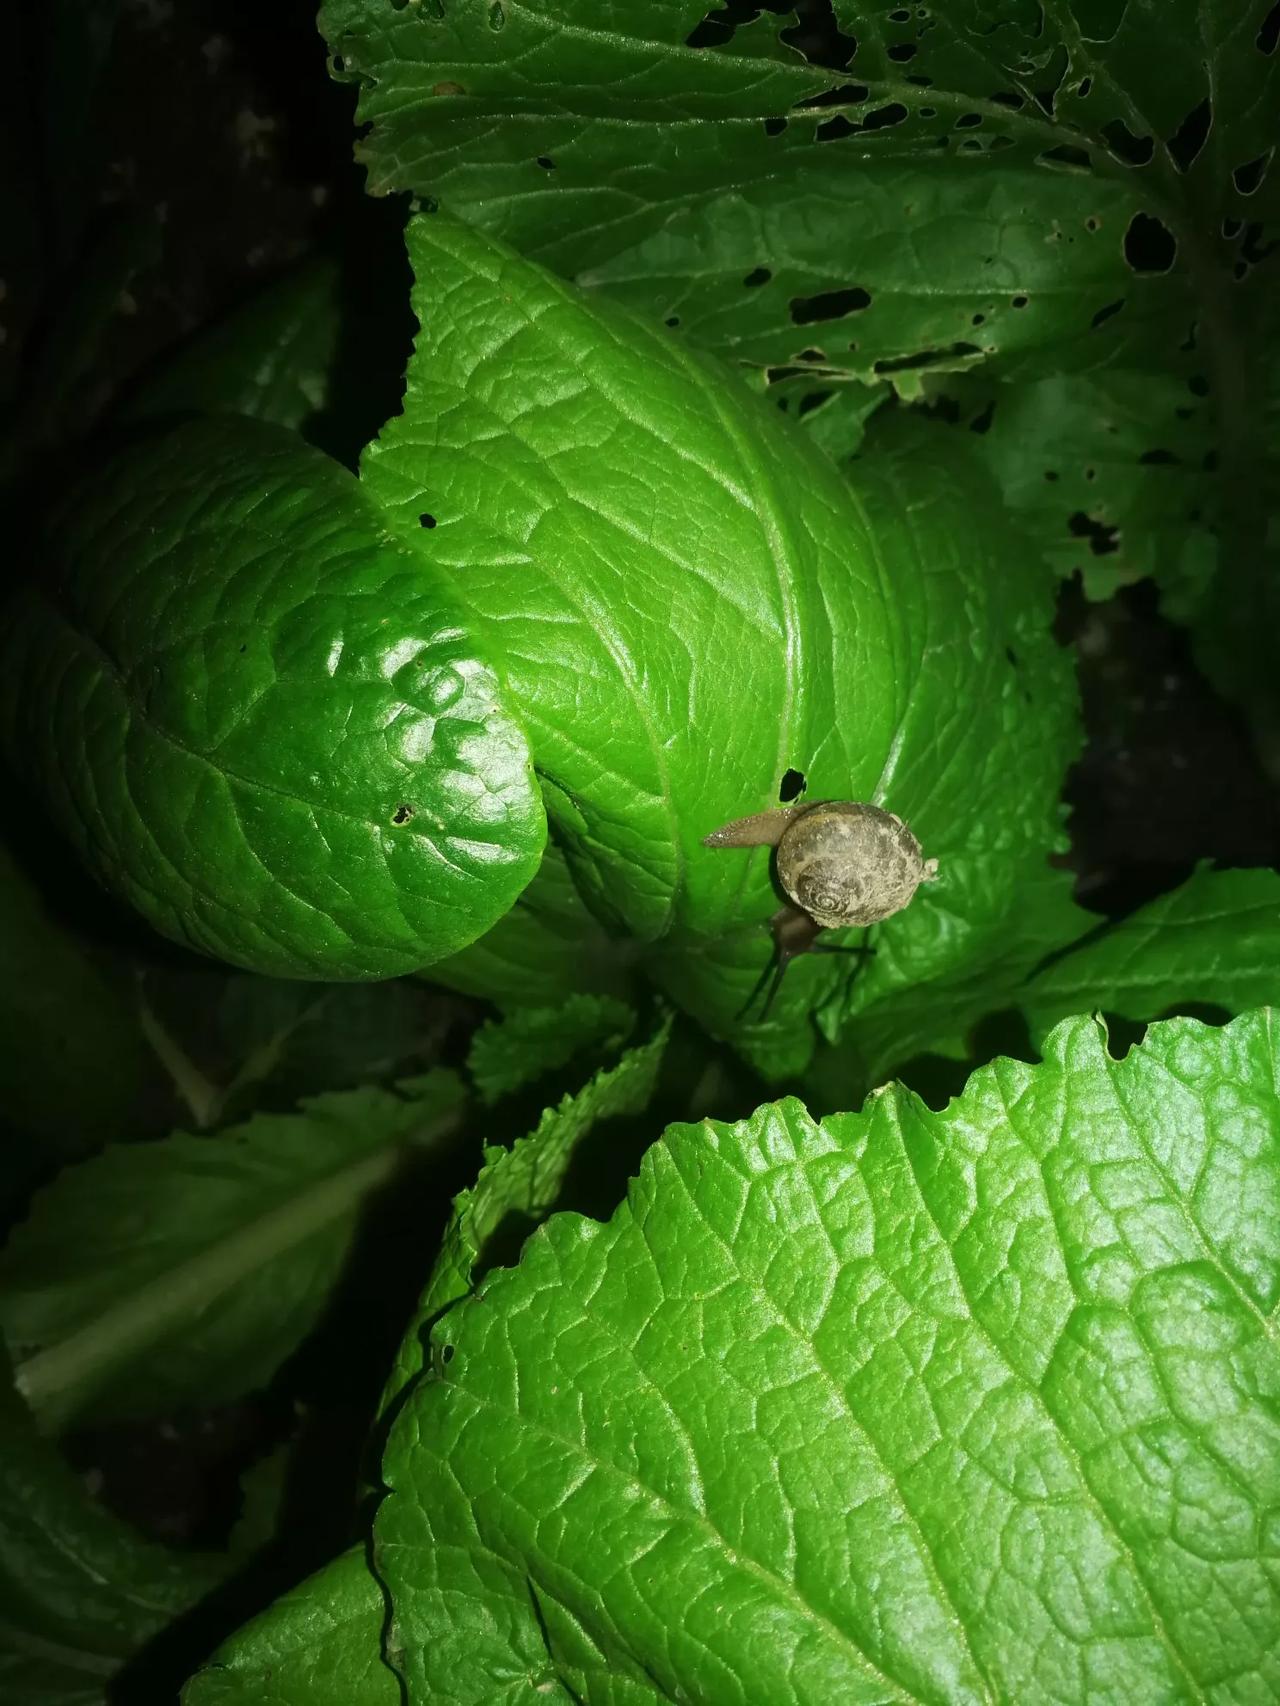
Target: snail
point(840, 863)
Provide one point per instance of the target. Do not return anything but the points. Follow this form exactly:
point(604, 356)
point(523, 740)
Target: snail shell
point(848, 863)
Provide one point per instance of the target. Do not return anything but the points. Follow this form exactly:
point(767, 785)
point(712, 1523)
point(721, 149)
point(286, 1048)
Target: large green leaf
point(687, 602)
point(80, 1593)
point(905, 1405)
point(186, 1271)
point(1214, 941)
point(318, 1645)
point(947, 184)
point(261, 720)
point(881, 194)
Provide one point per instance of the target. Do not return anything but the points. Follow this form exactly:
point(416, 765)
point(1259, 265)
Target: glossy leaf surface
point(687, 602)
point(903, 1405)
point(259, 719)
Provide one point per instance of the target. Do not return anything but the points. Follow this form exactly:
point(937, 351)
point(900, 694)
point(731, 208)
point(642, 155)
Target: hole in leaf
point(672, 320)
point(756, 277)
point(1149, 245)
point(813, 400)
point(546, 162)
point(426, 520)
point(883, 117)
point(1103, 540)
point(1191, 135)
point(924, 358)
point(1129, 149)
point(817, 35)
point(1083, 87)
point(921, 82)
point(836, 129)
point(1248, 178)
point(968, 121)
point(1008, 98)
point(843, 95)
point(1092, 224)
point(1020, 301)
point(982, 423)
point(903, 51)
point(774, 126)
point(1074, 159)
point(900, 16)
point(793, 784)
point(828, 305)
point(978, 319)
point(497, 16)
point(928, 112)
point(402, 814)
point(446, 1353)
point(1104, 314)
point(811, 355)
point(1269, 34)
point(1231, 229)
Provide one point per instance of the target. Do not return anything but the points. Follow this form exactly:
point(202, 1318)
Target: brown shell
point(848, 863)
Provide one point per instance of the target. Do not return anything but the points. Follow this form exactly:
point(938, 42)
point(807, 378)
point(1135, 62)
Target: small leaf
point(1213, 941)
point(318, 1645)
point(907, 1405)
point(508, 1055)
point(186, 1271)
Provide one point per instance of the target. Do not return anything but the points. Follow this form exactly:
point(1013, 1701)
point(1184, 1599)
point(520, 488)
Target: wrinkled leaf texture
point(904, 1405)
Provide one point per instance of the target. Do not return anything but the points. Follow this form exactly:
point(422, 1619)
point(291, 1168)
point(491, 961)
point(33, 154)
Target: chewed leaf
point(871, 191)
point(262, 722)
point(902, 1406)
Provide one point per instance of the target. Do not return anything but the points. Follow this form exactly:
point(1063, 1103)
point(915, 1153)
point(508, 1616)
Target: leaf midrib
point(57, 1380)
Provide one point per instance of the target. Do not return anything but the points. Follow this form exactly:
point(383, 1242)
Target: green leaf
point(318, 1645)
point(186, 1271)
point(1105, 471)
point(783, 199)
point(876, 1030)
point(878, 195)
point(260, 720)
point(270, 359)
point(518, 1051)
point(1215, 940)
point(80, 1593)
point(687, 602)
point(547, 947)
point(521, 1185)
point(907, 1405)
point(260, 1043)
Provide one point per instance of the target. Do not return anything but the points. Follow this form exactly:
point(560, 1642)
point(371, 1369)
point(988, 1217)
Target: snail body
point(841, 863)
